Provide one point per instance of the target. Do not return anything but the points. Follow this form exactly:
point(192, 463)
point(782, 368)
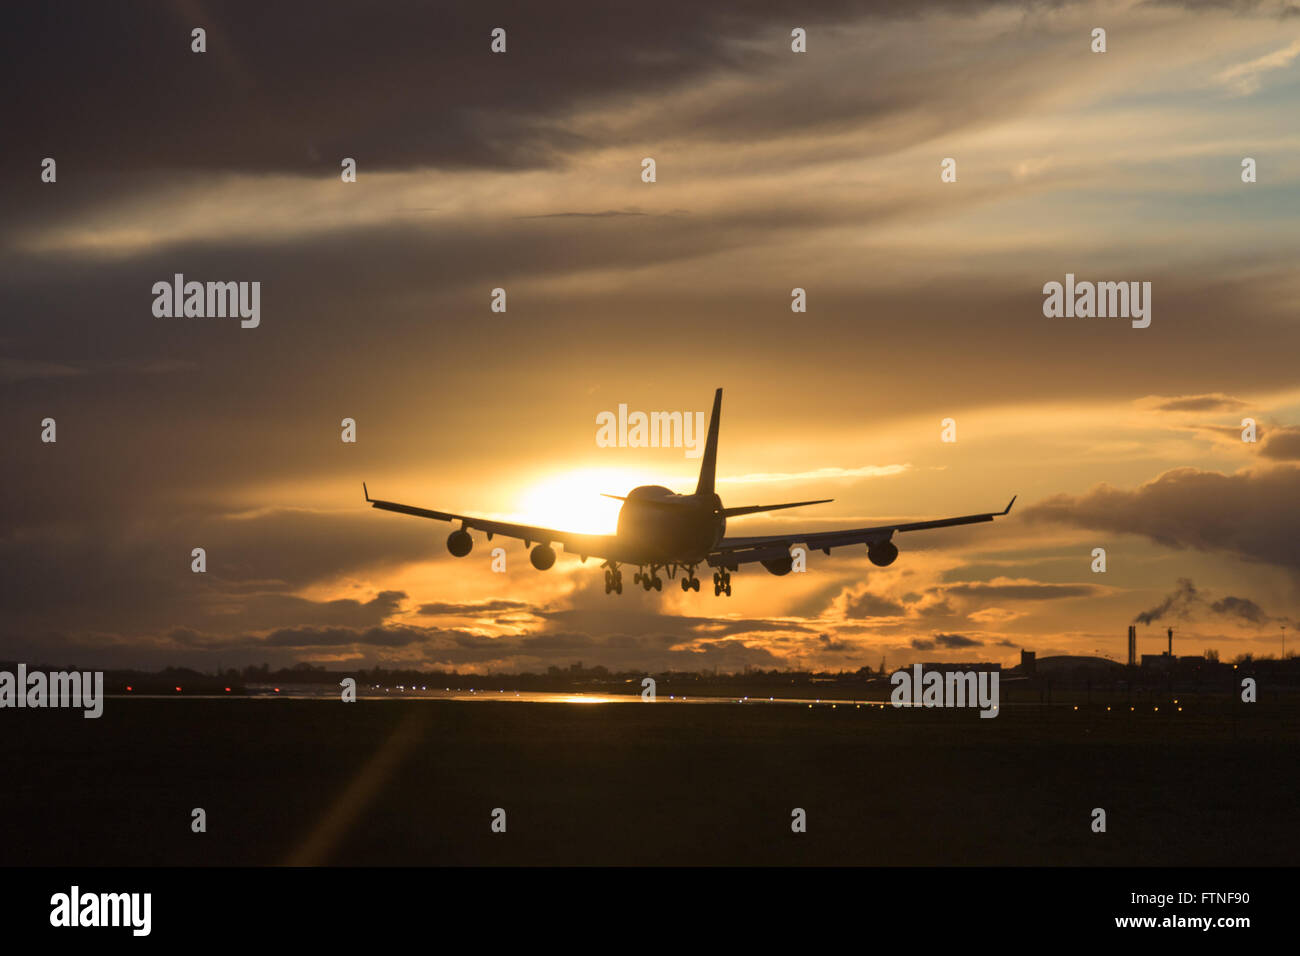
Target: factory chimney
point(1132, 646)
point(1171, 642)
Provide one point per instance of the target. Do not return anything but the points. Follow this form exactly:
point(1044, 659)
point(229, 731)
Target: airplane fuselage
point(656, 526)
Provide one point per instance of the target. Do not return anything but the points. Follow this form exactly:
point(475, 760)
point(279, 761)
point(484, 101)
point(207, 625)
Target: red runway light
point(227, 690)
point(128, 686)
point(178, 690)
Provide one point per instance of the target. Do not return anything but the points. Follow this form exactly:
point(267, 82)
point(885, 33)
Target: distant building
point(1065, 663)
point(1160, 662)
point(1027, 661)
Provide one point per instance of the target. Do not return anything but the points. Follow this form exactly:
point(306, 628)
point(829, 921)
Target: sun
point(572, 500)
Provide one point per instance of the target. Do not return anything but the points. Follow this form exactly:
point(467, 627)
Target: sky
point(522, 170)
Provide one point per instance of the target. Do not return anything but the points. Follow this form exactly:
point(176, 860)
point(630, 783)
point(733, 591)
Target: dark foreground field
point(415, 782)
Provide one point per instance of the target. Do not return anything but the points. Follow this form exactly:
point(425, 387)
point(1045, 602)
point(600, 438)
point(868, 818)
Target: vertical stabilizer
point(709, 464)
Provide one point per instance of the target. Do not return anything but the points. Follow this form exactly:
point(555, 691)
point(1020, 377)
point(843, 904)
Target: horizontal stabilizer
point(755, 509)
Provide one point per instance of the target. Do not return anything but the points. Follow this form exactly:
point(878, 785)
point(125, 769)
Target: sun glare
point(571, 501)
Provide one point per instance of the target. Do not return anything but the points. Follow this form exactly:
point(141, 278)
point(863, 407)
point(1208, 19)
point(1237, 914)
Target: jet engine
point(882, 553)
point(460, 543)
point(779, 566)
point(542, 556)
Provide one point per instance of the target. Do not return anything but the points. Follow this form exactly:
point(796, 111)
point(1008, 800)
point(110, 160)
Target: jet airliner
point(662, 531)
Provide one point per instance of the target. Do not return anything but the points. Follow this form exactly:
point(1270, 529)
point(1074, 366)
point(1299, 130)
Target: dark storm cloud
point(1250, 514)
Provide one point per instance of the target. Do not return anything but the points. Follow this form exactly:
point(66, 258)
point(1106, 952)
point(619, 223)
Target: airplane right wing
point(732, 552)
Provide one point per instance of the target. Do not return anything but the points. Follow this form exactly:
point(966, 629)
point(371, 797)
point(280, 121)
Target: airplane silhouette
point(660, 530)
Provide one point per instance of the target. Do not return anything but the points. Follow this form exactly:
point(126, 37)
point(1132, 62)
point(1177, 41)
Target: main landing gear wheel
point(648, 581)
point(722, 583)
point(614, 581)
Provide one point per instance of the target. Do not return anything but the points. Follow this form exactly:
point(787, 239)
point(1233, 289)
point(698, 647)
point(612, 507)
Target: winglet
point(365, 492)
point(1009, 504)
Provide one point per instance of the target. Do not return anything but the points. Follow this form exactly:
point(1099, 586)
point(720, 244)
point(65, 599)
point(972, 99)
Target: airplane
point(659, 530)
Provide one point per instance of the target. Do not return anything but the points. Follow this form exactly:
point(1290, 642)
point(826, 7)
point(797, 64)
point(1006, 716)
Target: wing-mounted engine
point(779, 566)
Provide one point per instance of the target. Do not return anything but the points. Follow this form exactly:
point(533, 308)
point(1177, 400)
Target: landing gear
point(691, 582)
point(649, 581)
point(613, 581)
point(722, 582)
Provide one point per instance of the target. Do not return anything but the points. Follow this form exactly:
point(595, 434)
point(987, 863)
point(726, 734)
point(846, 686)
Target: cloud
point(1245, 78)
point(1281, 444)
point(956, 640)
point(1005, 589)
point(440, 608)
point(1250, 514)
point(1196, 403)
point(831, 644)
point(872, 605)
point(944, 642)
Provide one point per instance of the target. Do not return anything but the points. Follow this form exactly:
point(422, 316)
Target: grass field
point(415, 783)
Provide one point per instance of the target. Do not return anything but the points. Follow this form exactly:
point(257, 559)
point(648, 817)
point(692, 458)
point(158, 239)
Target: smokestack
point(1132, 645)
point(1171, 642)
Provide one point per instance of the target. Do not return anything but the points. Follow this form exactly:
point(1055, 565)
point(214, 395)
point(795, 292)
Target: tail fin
point(709, 465)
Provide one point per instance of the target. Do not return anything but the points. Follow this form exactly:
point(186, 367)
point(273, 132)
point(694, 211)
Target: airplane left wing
point(583, 545)
point(732, 552)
